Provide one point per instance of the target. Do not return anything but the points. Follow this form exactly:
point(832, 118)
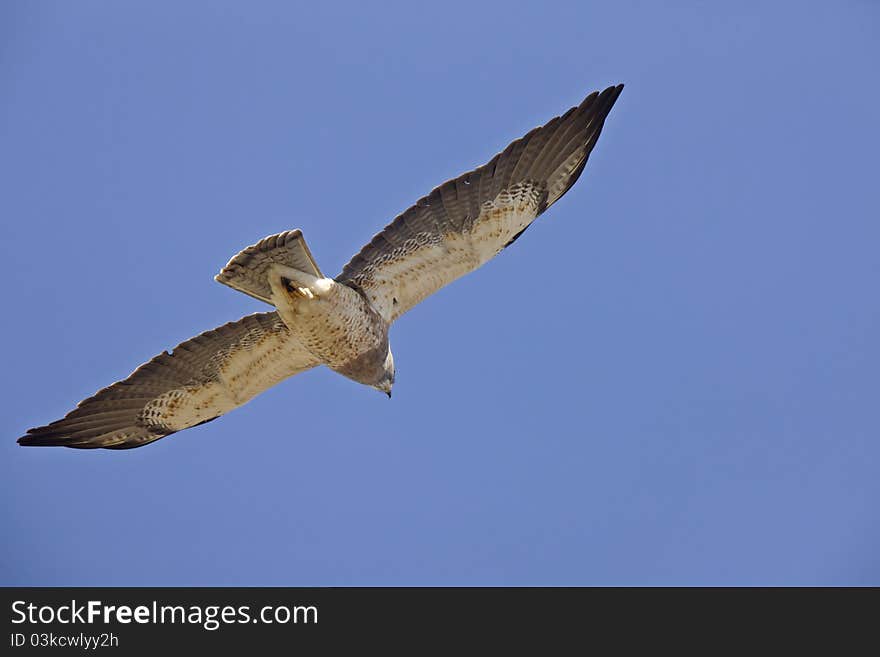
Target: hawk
point(339, 322)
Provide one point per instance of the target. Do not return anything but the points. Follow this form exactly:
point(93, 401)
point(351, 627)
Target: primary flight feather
point(343, 322)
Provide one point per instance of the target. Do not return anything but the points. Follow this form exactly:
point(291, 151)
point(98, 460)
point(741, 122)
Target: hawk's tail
point(248, 271)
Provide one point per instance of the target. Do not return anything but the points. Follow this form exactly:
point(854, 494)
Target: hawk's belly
point(338, 326)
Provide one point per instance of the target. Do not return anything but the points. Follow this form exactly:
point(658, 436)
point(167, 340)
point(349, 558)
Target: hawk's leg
point(291, 281)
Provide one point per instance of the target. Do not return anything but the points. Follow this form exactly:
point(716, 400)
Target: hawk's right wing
point(468, 220)
point(199, 380)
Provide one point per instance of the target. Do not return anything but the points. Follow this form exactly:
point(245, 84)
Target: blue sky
point(672, 378)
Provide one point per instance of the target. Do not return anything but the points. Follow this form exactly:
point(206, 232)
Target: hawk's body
point(341, 323)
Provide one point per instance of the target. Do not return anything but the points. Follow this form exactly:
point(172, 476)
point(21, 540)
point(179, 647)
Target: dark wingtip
point(50, 435)
point(59, 434)
point(31, 440)
point(612, 93)
point(65, 440)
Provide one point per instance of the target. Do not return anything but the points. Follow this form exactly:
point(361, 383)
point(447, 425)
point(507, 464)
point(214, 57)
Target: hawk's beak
point(389, 394)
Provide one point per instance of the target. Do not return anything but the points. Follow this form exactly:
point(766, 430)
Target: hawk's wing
point(199, 380)
point(468, 220)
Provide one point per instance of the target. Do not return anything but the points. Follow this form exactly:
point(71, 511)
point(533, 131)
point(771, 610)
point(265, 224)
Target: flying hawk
point(343, 322)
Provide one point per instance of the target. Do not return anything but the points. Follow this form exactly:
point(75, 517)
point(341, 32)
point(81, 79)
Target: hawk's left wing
point(466, 221)
point(201, 379)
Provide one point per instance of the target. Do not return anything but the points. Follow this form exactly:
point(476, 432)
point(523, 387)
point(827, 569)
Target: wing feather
point(466, 221)
point(198, 381)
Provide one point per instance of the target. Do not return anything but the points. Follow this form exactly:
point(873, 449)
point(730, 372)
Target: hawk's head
point(387, 381)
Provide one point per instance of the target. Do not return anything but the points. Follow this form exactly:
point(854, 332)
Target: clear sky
point(672, 378)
